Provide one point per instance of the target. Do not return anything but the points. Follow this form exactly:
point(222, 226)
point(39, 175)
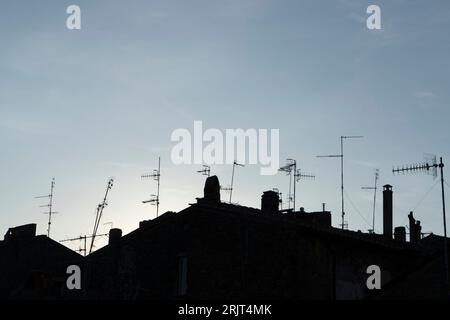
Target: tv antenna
point(374, 188)
point(341, 156)
point(99, 214)
point(156, 175)
point(50, 211)
point(206, 171)
point(235, 163)
point(291, 169)
point(84, 239)
point(431, 166)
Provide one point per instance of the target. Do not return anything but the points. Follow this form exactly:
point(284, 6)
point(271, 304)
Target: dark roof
point(289, 219)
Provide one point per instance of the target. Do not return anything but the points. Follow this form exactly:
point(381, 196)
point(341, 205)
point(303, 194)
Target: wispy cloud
point(22, 126)
point(424, 94)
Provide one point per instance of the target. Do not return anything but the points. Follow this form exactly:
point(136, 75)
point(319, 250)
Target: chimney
point(211, 192)
point(25, 231)
point(387, 211)
point(400, 234)
point(415, 229)
point(114, 236)
point(270, 202)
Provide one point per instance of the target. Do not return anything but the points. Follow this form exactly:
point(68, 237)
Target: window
point(182, 275)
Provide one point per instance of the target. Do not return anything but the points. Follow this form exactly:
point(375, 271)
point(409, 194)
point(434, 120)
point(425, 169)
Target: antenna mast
point(84, 239)
point(100, 208)
point(432, 169)
point(206, 171)
point(341, 156)
point(291, 169)
point(156, 175)
point(374, 188)
point(232, 177)
point(50, 211)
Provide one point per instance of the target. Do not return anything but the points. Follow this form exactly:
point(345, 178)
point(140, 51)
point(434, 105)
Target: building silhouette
point(216, 250)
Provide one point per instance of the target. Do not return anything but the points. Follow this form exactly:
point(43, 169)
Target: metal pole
point(295, 179)
point(342, 181)
point(232, 179)
point(374, 203)
point(50, 207)
point(441, 166)
point(159, 177)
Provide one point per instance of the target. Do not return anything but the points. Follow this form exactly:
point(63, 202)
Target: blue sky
point(83, 106)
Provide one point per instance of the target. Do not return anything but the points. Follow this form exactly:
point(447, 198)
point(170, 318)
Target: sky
point(87, 105)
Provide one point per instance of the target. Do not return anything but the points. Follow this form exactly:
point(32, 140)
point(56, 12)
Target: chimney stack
point(114, 236)
point(415, 229)
point(270, 202)
point(400, 234)
point(211, 192)
point(387, 211)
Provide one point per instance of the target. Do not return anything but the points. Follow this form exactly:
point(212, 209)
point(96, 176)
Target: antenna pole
point(375, 200)
point(342, 183)
point(291, 169)
point(50, 207)
point(374, 188)
point(100, 208)
point(232, 181)
point(427, 167)
point(156, 175)
point(232, 177)
point(295, 180)
point(342, 173)
point(159, 179)
point(441, 166)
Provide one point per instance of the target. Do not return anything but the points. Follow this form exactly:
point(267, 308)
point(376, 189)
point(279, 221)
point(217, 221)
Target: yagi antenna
point(431, 166)
point(294, 174)
point(156, 175)
point(99, 214)
point(84, 239)
point(50, 211)
point(206, 171)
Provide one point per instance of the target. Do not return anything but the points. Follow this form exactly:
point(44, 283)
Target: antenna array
point(99, 214)
point(50, 211)
point(156, 175)
point(291, 169)
point(341, 156)
point(431, 166)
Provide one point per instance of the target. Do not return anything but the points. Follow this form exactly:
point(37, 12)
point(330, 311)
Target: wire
point(423, 198)
point(446, 183)
point(426, 195)
point(356, 209)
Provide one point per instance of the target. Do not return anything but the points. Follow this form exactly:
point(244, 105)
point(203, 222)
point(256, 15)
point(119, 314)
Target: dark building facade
point(34, 267)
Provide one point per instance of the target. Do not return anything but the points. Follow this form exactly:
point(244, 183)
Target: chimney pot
point(211, 191)
point(115, 235)
point(270, 202)
point(400, 234)
point(387, 211)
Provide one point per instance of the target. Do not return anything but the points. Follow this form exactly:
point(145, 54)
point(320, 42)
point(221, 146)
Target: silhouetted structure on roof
point(34, 267)
point(216, 250)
